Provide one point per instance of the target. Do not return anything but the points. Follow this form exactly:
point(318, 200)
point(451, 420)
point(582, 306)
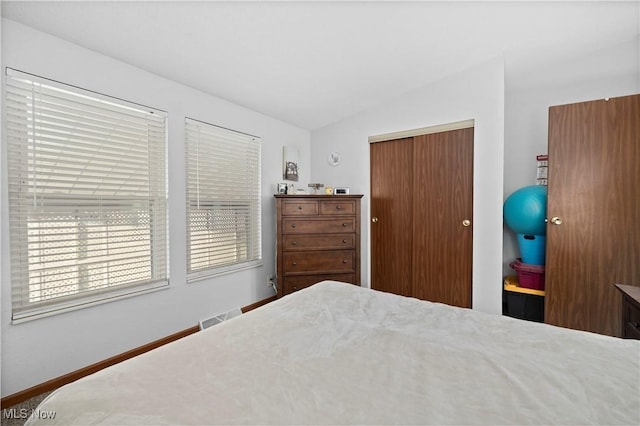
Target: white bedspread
point(340, 354)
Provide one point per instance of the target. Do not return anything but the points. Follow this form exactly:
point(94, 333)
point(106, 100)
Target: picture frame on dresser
point(317, 239)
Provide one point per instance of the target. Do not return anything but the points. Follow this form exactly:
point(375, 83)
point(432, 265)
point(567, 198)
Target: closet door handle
point(374, 219)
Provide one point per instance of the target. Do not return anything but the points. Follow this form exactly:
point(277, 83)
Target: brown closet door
point(594, 190)
point(391, 222)
point(442, 215)
point(421, 193)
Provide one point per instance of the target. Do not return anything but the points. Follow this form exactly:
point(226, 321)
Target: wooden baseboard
point(55, 383)
point(258, 304)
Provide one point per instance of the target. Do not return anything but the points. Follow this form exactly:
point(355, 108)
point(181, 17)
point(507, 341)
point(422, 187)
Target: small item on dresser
point(328, 190)
point(282, 188)
point(342, 190)
point(316, 186)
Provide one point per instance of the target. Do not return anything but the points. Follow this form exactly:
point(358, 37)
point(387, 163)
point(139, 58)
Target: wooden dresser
point(630, 311)
point(317, 238)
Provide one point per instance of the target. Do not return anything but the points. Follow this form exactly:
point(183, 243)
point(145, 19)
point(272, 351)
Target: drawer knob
point(344, 241)
point(294, 263)
point(338, 207)
point(294, 243)
point(344, 225)
point(299, 207)
point(293, 225)
point(345, 261)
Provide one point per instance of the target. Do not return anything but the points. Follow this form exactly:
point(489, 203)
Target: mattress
point(340, 354)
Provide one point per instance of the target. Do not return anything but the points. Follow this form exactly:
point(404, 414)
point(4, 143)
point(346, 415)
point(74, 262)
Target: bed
point(340, 354)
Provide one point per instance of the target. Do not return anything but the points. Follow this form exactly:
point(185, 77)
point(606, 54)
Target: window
point(223, 200)
point(87, 196)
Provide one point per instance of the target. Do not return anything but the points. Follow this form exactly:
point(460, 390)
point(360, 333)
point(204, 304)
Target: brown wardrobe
point(593, 233)
point(421, 212)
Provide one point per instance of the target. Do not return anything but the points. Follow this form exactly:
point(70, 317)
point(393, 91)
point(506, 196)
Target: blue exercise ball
point(526, 209)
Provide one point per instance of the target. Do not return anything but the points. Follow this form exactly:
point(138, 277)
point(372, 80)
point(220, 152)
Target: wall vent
point(209, 322)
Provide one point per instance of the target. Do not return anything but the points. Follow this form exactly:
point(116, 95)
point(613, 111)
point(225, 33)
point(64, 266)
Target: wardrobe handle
point(374, 219)
point(556, 220)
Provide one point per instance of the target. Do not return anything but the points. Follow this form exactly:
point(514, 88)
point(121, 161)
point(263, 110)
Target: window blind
point(223, 199)
point(87, 196)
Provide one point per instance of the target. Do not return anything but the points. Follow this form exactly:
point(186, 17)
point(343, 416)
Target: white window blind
point(223, 199)
point(87, 196)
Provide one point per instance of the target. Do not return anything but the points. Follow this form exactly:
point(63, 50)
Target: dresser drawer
point(319, 261)
point(318, 226)
point(631, 330)
point(337, 207)
point(319, 242)
point(299, 208)
point(631, 315)
point(295, 283)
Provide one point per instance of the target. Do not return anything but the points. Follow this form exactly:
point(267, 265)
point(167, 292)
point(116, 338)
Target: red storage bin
point(529, 276)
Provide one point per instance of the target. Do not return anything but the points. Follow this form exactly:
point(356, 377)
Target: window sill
point(78, 304)
point(211, 273)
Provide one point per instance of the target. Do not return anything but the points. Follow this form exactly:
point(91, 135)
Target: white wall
point(478, 94)
point(605, 73)
point(39, 350)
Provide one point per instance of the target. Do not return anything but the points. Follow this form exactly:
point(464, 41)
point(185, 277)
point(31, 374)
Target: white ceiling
point(314, 63)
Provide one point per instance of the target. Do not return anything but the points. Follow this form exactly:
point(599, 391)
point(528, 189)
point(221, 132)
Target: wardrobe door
point(442, 217)
point(391, 220)
point(593, 234)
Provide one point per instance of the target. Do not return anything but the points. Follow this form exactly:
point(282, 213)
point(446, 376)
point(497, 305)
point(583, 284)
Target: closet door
point(391, 219)
point(421, 211)
point(442, 217)
point(593, 234)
